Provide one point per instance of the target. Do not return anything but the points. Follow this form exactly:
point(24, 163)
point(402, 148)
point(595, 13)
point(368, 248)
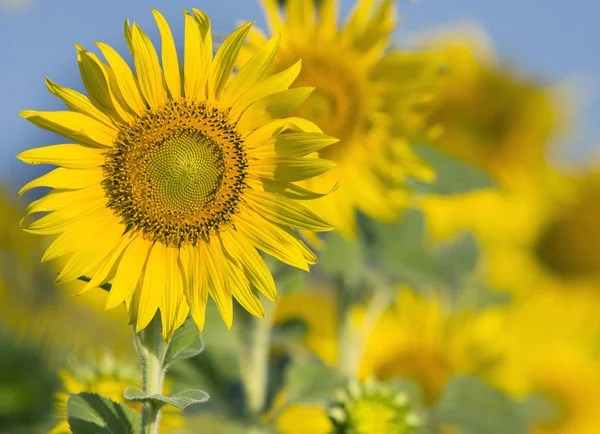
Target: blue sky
point(554, 40)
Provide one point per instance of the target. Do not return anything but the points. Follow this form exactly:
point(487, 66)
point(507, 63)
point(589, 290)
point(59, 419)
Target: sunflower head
point(488, 114)
point(109, 378)
point(549, 349)
point(373, 408)
point(178, 173)
point(418, 339)
point(569, 246)
point(354, 72)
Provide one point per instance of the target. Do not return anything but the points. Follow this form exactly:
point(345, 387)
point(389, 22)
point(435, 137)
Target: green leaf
point(309, 380)
point(473, 407)
point(180, 400)
point(89, 413)
point(456, 261)
point(186, 342)
point(452, 175)
point(342, 258)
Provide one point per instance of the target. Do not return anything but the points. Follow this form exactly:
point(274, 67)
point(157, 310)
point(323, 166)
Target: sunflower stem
point(151, 349)
point(353, 340)
point(255, 362)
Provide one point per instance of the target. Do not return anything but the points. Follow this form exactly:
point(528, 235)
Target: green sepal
point(180, 400)
point(89, 413)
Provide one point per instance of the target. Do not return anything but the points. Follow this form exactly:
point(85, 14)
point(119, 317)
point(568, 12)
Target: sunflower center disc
point(185, 172)
point(177, 173)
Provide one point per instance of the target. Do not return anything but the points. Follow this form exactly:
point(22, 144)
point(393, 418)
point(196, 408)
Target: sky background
point(557, 41)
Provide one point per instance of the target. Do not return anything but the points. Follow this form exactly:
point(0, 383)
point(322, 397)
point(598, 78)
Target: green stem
point(352, 343)
point(151, 348)
point(255, 361)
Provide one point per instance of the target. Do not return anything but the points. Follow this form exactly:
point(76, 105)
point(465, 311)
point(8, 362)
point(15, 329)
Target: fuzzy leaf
point(180, 400)
point(187, 342)
point(89, 413)
point(473, 407)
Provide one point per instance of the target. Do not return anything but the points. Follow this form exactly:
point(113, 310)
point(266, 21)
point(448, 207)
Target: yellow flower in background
point(31, 306)
point(353, 72)
point(549, 344)
point(108, 378)
point(418, 338)
point(488, 114)
point(178, 175)
point(304, 419)
point(316, 308)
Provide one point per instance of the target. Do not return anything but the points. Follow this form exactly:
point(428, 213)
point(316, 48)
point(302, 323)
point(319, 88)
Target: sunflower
point(107, 377)
point(353, 72)
point(487, 113)
point(415, 339)
point(549, 349)
point(178, 174)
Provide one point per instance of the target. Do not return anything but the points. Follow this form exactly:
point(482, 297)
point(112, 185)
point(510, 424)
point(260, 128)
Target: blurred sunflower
point(30, 305)
point(179, 174)
point(550, 349)
point(488, 114)
point(416, 338)
point(107, 377)
point(353, 70)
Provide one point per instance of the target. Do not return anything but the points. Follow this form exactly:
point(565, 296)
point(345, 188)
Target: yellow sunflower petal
point(301, 15)
point(57, 199)
point(217, 288)
point(256, 270)
point(70, 156)
point(170, 61)
point(78, 102)
point(153, 285)
point(290, 169)
point(197, 284)
point(240, 287)
point(129, 271)
point(108, 268)
point(250, 74)
point(67, 179)
point(271, 130)
point(173, 297)
point(77, 236)
point(285, 211)
point(271, 239)
point(58, 220)
point(273, 106)
point(224, 61)
point(75, 126)
point(326, 27)
point(97, 83)
point(87, 259)
point(195, 65)
point(148, 70)
point(301, 144)
point(271, 8)
point(273, 84)
point(126, 81)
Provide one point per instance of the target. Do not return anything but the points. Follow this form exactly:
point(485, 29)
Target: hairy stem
point(151, 348)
